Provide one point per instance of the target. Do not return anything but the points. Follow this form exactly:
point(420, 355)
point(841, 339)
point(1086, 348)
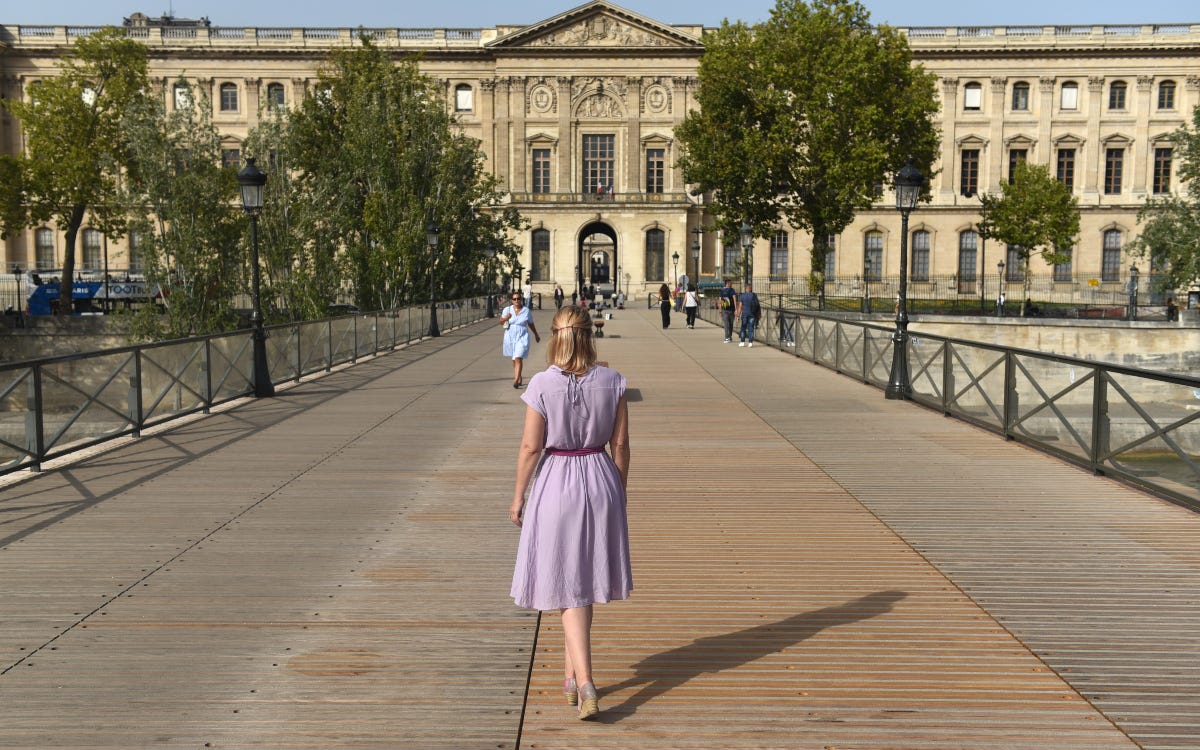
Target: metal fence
point(1140, 426)
point(50, 407)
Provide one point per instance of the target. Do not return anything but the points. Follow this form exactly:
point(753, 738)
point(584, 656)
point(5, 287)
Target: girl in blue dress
point(519, 322)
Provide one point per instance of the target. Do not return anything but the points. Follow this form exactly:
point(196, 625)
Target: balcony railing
point(618, 197)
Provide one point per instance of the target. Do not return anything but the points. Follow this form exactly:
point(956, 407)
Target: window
point(968, 243)
point(540, 256)
point(598, 161)
point(43, 240)
point(873, 256)
point(1069, 96)
point(541, 170)
point(136, 262)
point(655, 159)
point(183, 96)
point(1016, 156)
point(733, 257)
point(1066, 167)
point(830, 256)
point(779, 256)
point(275, 96)
point(1166, 95)
point(229, 97)
point(972, 97)
point(1020, 97)
point(920, 256)
point(1116, 95)
point(464, 98)
point(93, 259)
point(1114, 162)
point(1062, 271)
point(1014, 264)
point(656, 255)
point(1110, 263)
point(231, 158)
point(1162, 170)
point(969, 174)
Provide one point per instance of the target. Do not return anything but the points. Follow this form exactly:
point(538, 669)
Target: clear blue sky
point(485, 13)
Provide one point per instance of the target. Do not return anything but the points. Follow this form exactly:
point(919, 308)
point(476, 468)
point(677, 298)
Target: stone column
point(998, 153)
point(948, 179)
point(1140, 150)
point(634, 180)
point(253, 90)
point(566, 139)
point(1094, 167)
point(299, 91)
point(517, 97)
point(1045, 110)
point(490, 126)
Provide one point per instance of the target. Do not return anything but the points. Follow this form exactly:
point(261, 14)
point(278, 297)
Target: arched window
point(136, 261)
point(779, 256)
point(873, 255)
point(1063, 271)
point(972, 97)
point(464, 98)
point(229, 97)
point(1014, 264)
point(1166, 95)
point(656, 255)
point(968, 266)
point(732, 254)
point(1116, 95)
point(830, 256)
point(920, 255)
point(1020, 97)
point(93, 259)
point(276, 98)
point(540, 255)
point(43, 240)
point(1069, 96)
point(1110, 261)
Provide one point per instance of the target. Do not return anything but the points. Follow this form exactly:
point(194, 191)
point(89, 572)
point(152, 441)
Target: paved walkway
point(816, 567)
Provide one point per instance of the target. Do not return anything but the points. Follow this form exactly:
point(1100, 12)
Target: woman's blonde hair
point(571, 347)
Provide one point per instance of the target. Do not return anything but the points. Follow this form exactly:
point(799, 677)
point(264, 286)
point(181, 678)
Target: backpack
point(755, 309)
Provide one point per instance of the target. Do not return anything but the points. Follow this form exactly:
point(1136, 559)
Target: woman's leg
point(517, 366)
point(577, 632)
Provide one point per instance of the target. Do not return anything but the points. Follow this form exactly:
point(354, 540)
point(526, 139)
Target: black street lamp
point(747, 235)
point(908, 190)
point(431, 239)
point(699, 232)
point(1000, 289)
point(866, 300)
point(251, 181)
point(1133, 291)
point(490, 287)
point(675, 259)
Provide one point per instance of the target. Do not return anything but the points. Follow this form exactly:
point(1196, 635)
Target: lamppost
point(1000, 289)
point(618, 278)
point(20, 297)
point(251, 180)
point(747, 235)
point(490, 287)
point(698, 232)
point(675, 260)
point(1133, 291)
point(908, 189)
point(866, 301)
point(431, 239)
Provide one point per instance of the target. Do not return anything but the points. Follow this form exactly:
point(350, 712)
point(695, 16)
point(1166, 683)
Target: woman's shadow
point(661, 672)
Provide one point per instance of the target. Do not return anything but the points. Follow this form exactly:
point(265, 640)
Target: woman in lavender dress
point(574, 548)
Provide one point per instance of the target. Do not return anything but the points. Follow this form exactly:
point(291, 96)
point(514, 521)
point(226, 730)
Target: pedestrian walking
point(559, 296)
point(728, 301)
point(518, 323)
point(749, 310)
point(664, 304)
point(691, 303)
point(574, 547)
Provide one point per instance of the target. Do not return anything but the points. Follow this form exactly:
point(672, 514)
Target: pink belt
point(577, 452)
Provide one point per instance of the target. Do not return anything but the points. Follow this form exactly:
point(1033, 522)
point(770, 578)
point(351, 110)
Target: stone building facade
point(576, 115)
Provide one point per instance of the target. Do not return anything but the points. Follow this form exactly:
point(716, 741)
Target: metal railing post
point(328, 345)
point(35, 426)
point(1101, 424)
point(135, 401)
point(1010, 394)
point(947, 378)
point(208, 385)
point(299, 352)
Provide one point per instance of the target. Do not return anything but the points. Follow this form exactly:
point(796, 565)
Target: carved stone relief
point(617, 86)
point(541, 100)
point(600, 31)
point(656, 100)
point(599, 107)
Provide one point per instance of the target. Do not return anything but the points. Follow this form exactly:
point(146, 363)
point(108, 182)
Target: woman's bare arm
point(532, 440)
point(619, 442)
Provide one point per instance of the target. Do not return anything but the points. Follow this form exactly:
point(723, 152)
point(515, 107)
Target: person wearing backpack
point(728, 308)
point(749, 310)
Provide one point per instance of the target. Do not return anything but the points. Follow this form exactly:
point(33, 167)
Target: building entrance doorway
point(597, 260)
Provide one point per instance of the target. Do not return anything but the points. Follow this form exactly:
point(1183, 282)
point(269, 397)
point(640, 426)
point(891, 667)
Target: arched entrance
point(596, 260)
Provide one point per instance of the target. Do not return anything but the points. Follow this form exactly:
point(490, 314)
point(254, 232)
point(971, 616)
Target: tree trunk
point(66, 289)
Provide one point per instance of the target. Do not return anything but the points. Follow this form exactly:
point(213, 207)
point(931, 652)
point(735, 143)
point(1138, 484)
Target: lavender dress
point(574, 548)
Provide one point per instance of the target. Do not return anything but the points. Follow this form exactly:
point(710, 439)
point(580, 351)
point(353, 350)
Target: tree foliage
point(804, 116)
point(1170, 235)
point(1033, 212)
point(76, 149)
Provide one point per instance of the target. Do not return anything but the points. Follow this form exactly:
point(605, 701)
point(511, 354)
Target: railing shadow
point(660, 673)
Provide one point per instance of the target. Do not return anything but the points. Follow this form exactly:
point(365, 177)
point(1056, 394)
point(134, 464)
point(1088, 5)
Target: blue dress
point(516, 338)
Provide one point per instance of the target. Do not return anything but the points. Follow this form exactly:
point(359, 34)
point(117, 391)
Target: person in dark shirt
point(749, 310)
point(728, 300)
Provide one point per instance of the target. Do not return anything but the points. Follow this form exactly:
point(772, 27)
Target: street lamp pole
point(866, 300)
point(431, 239)
point(699, 232)
point(908, 190)
point(1000, 289)
point(490, 286)
point(747, 235)
point(675, 258)
point(1133, 291)
point(251, 181)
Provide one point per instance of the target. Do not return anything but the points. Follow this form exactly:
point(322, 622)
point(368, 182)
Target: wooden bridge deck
point(816, 567)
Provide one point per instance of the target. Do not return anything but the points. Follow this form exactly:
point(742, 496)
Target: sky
point(487, 13)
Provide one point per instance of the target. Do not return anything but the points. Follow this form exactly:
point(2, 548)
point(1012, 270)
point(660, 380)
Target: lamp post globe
point(251, 180)
point(675, 260)
point(1000, 289)
point(431, 238)
point(909, 182)
point(747, 236)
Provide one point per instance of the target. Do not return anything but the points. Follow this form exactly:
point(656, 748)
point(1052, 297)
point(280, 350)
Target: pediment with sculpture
point(601, 25)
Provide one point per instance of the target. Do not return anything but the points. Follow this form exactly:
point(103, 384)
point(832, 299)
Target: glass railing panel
point(804, 336)
point(926, 363)
point(878, 365)
point(1152, 432)
point(16, 416)
point(313, 338)
point(1052, 403)
point(232, 369)
point(342, 339)
point(826, 341)
point(364, 335)
point(87, 399)
point(850, 349)
point(281, 353)
point(976, 386)
point(174, 380)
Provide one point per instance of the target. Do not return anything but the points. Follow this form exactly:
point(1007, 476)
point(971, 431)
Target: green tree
point(1170, 235)
point(75, 149)
point(1033, 212)
point(182, 206)
point(805, 116)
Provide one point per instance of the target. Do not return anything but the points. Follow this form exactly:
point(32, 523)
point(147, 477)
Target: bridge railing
point(53, 406)
point(1137, 425)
